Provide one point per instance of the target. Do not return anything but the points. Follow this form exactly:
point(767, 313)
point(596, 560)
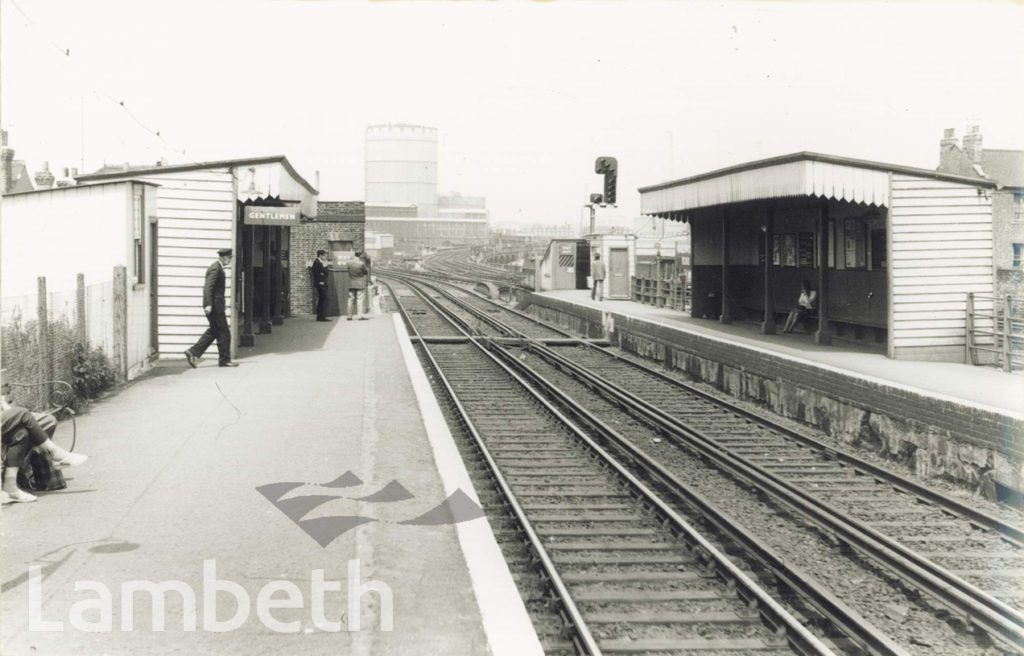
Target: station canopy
point(800, 174)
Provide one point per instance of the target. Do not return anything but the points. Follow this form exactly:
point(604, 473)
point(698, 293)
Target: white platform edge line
point(506, 623)
point(821, 365)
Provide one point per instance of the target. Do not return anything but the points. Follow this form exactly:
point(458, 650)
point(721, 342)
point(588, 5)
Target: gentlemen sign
point(271, 216)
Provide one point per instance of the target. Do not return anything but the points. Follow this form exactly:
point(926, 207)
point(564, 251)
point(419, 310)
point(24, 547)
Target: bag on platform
point(40, 474)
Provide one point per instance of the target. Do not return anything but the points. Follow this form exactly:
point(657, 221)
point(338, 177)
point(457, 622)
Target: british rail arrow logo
point(458, 507)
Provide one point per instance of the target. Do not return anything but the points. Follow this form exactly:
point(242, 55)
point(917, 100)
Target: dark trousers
point(219, 331)
point(321, 301)
point(597, 289)
point(22, 432)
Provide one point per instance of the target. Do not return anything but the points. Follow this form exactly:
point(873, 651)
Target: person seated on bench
point(22, 431)
point(805, 305)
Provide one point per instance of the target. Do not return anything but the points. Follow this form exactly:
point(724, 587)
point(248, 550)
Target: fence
point(41, 332)
point(673, 293)
point(995, 331)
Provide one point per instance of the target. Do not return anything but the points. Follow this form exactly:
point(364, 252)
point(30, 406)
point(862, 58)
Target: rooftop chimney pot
point(972, 144)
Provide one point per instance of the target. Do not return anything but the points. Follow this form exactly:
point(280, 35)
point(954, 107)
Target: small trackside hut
point(892, 250)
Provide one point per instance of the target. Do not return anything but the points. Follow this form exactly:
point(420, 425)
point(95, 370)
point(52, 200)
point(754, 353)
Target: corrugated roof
point(219, 164)
point(1004, 166)
point(76, 187)
point(798, 174)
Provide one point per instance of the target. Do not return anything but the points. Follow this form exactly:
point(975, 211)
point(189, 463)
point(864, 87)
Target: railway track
point(641, 579)
point(789, 470)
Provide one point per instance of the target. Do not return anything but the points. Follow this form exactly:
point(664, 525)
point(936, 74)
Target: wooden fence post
point(120, 327)
point(43, 336)
point(969, 332)
point(81, 334)
point(1007, 324)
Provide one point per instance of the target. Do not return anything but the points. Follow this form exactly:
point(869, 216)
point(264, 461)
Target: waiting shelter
point(893, 251)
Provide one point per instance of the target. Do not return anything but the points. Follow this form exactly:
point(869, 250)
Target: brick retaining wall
point(974, 446)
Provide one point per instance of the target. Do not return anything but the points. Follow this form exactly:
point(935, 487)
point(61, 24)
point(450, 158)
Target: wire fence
point(44, 335)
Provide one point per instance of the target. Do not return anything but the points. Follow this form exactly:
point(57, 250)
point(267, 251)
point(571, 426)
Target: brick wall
point(335, 221)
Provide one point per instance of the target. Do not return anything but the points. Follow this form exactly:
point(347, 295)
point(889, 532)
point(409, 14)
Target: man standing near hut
point(597, 273)
point(214, 307)
point(320, 284)
point(357, 277)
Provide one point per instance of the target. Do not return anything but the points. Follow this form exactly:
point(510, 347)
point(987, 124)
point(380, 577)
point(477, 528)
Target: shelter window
point(877, 249)
point(855, 243)
point(138, 237)
point(1018, 252)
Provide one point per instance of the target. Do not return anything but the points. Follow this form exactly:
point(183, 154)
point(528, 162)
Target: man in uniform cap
point(213, 306)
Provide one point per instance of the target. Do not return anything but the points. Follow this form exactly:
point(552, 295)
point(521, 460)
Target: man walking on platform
point(214, 307)
point(320, 284)
point(597, 274)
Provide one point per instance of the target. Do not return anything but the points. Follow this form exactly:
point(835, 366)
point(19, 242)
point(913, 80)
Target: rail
point(984, 611)
point(995, 331)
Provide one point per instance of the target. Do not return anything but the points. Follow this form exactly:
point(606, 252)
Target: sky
point(525, 95)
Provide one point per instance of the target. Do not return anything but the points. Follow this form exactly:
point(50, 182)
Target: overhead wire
point(99, 92)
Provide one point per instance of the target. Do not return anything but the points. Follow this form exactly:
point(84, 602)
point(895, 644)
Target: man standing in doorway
point(320, 284)
point(214, 307)
point(597, 273)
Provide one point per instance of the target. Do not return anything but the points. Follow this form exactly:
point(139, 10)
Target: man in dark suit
point(214, 307)
point(320, 284)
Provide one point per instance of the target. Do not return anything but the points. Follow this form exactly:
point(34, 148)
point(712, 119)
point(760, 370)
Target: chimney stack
point(972, 144)
point(44, 179)
point(6, 165)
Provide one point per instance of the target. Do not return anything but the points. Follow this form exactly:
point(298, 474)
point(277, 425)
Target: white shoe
point(72, 460)
point(20, 496)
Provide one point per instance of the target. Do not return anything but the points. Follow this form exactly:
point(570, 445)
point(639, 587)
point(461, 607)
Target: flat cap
point(224, 251)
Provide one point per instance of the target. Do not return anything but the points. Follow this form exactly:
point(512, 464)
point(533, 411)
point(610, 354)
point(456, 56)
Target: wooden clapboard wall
point(940, 249)
point(196, 215)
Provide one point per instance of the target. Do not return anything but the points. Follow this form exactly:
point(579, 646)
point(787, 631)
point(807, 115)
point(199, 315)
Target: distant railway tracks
point(626, 488)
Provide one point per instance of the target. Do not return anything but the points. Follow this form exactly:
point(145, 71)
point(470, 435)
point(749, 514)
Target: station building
point(892, 251)
point(102, 232)
point(250, 205)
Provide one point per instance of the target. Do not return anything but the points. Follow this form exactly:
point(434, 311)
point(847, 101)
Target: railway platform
point(940, 418)
point(984, 386)
point(263, 499)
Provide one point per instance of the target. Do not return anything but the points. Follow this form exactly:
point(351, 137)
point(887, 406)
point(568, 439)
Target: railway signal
point(609, 166)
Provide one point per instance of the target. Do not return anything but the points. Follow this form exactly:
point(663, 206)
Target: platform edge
point(506, 623)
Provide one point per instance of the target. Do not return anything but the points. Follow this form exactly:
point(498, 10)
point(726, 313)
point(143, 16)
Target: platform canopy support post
point(726, 317)
point(823, 336)
point(768, 232)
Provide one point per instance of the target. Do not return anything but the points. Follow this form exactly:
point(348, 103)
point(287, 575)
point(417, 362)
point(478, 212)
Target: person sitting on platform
point(22, 432)
point(805, 305)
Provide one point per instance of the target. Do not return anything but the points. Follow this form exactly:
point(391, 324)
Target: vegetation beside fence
point(51, 336)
